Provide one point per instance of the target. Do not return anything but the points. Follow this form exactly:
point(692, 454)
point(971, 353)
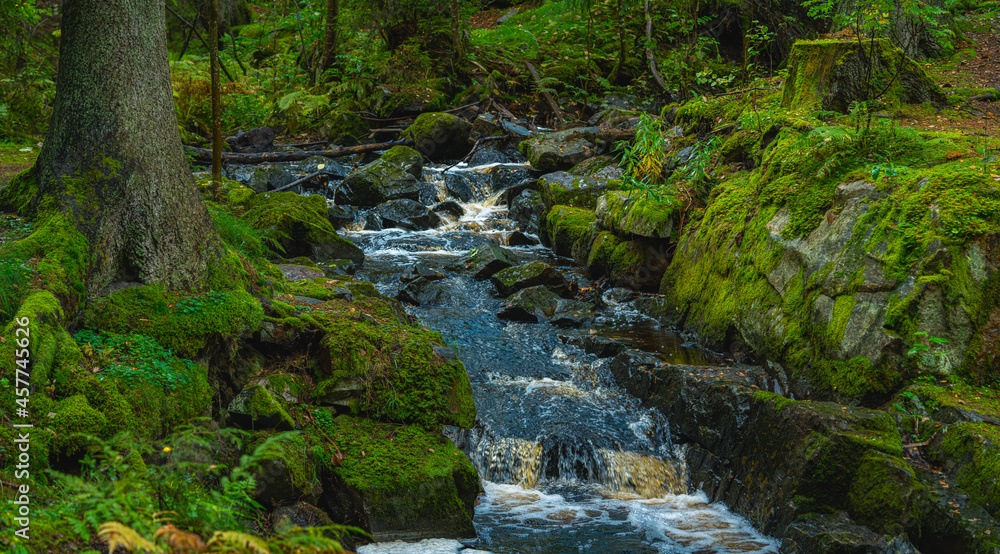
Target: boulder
point(517, 238)
point(488, 259)
point(285, 471)
point(833, 74)
point(267, 177)
point(560, 150)
point(405, 214)
point(527, 209)
point(570, 231)
point(513, 279)
point(602, 347)
point(632, 213)
point(421, 291)
point(394, 176)
point(530, 305)
point(416, 271)
point(458, 186)
point(572, 313)
point(339, 216)
point(256, 408)
point(440, 136)
point(298, 226)
point(600, 167)
point(571, 190)
point(449, 207)
point(323, 165)
point(256, 140)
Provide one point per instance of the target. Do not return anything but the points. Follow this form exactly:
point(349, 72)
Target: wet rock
point(300, 227)
point(269, 177)
point(256, 140)
point(517, 238)
point(440, 136)
point(422, 291)
point(527, 209)
point(323, 165)
point(571, 190)
point(602, 347)
point(570, 232)
point(823, 534)
point(256, 408)
point(488, 259)
point(304, 515)
point(572, 313)
point(560, 150)
point(488, 125)
point(513, 279)
point(429, 194)
point(458, 186)
point(449, 207)
point(405, 214)
point(416, 271)
point(394, 176)
point(530, 305)
point(339, 216)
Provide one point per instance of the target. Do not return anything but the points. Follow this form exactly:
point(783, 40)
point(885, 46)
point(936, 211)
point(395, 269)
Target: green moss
point(184, 322)
point(640, 215)
point(402, 378)
point(973, 451)
point(885, 494)
point(265, 405)
point(566, 225)
point(75, 419)
point(856, 380)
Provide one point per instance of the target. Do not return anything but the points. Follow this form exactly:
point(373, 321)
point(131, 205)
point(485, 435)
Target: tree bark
point(112, 162)
point(330, 40)
point(213, 55)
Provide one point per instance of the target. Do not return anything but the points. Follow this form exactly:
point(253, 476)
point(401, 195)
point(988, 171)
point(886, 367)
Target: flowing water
point(570, 462)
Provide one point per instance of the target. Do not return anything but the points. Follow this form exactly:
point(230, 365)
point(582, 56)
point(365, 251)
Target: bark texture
point(112, 159)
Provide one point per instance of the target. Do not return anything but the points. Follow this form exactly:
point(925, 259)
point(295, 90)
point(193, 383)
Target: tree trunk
point(330, 40)
point(213, 56)
point(458, 48)
point(112, 162)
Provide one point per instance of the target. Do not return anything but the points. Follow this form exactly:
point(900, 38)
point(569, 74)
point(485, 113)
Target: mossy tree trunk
point(112, 162)
point(330, 38)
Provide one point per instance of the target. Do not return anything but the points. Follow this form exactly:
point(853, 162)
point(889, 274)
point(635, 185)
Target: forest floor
point(15, 158)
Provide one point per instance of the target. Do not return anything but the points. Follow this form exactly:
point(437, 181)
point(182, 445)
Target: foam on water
point(426, 546)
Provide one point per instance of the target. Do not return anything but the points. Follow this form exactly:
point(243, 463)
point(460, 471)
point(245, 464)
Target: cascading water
point(570, 462)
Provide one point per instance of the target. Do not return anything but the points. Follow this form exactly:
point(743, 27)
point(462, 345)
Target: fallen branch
point(203, 154)
point(297, 182)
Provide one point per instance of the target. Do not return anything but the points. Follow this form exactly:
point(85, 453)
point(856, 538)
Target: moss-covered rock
point(971, 453)
point(599, 167)
point(634, 214)
point(440, 135)
point(570, 231)
point(530, 305)
point(73, 420)
point(185, 322)
point(571, 190)
point(513, 279)
point(488, 259)
point(296, 225)
point(409, 483)
point(394, 176)
point(833, 74)
point(285, 470)
point(256, 408)
point(560, 150)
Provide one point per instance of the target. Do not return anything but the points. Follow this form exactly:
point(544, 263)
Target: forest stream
point(569, 461)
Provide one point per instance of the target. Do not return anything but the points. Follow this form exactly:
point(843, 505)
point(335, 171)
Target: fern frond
point(120, 535)
point(180, 541)
point(226, 539)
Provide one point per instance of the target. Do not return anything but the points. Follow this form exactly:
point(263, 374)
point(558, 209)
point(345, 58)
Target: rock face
point(832, 74)
point(834, 284)
point(440, 136)
point(560, 150)
point(406, 214)
point(394, 176)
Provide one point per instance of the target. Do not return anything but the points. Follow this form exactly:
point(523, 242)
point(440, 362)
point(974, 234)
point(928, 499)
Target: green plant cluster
point(132, 358)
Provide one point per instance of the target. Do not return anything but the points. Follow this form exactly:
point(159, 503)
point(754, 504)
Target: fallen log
point(205, 155)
